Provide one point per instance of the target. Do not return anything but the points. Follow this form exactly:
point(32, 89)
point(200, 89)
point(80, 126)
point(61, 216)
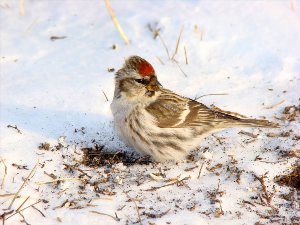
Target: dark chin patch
point(150, 93)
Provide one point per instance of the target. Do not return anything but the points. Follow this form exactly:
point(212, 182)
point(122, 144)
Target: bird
point(156, 121)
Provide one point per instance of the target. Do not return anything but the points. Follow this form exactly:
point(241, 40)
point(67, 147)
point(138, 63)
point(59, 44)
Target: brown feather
point(167, 113)
point(168, 109)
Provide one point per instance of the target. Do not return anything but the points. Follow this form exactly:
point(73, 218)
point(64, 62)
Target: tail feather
point(241, 122)
point(232, 119)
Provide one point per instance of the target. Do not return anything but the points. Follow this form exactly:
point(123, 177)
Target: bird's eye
point(141, 81)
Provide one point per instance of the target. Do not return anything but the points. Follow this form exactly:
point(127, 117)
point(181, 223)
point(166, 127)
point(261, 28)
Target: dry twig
point(292, 5)
point(24, 209)
point(116, 22)
point(5, 173)
point(22, 7)
point(25, 181)
point(7, 195)
point(4, 214)
point(105, 214)
point(159, 59)
point(248, 134)
point(185, 54)
point(199, 174)
point(268, 197)
point(164, 44)
point(31, 25)
point(136, 207)
point(14, 127)
point(39, 211)
point(54, 38)
point(24, 220)
point(180, 68)
point(177, 43)
point(201, 32)
point(58, 179)
point(177, 182)
point(196, 98)
point(84, 173)
point(155, 30)
point(249, 203)
point(105, 95)
point(18, 209)
point(273, 106)
point(159, 215)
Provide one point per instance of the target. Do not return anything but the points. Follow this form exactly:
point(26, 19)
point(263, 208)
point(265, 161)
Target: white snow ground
point(248, 49)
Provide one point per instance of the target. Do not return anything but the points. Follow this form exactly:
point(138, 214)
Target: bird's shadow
point(51, 123)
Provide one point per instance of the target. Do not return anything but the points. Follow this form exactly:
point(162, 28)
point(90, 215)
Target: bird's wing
point(173, 111)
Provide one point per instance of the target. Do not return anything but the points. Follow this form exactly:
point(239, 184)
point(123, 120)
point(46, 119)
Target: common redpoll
point(157, 122)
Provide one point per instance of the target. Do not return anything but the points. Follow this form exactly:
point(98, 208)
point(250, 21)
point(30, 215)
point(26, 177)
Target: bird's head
point(136, 78)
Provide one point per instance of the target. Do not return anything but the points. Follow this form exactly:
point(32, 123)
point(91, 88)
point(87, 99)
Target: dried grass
point(25, 181)
point(115, 21)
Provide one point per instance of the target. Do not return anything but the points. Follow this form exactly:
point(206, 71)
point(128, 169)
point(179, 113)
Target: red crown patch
point(146, 69)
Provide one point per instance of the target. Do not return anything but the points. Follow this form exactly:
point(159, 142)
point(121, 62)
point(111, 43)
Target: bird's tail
point(242, 122)
point(231, 119)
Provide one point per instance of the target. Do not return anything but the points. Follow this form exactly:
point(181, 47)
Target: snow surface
point(248, 49)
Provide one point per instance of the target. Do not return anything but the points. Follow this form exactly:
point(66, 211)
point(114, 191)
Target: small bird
point(158, 122)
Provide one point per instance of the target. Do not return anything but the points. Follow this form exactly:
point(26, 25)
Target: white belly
point(142, 133)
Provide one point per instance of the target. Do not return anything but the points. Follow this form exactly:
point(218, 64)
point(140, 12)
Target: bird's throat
point(150, 93)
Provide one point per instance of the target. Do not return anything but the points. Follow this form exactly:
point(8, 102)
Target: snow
point(247, 49)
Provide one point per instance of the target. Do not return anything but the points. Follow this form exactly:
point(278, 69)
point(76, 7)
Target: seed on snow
point(207, 155)
point(118, 180)
point(154, 177)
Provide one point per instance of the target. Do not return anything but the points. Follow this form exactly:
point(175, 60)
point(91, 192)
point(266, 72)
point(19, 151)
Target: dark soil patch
point(291, 112)
point(97, 156)
point(291, 180)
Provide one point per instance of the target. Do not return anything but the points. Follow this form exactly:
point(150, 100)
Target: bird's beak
point(158, 83)
point(153, 84)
